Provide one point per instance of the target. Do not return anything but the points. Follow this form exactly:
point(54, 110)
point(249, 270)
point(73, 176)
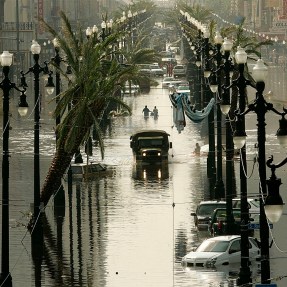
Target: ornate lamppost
point(6, 85)
point(219, 186)
point(211, 169)
point(104, 27)
point(241, 83)
point(261, 107)
point(229, 150)
point(37, 70)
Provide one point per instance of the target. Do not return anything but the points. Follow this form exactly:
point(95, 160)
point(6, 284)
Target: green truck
point(150, 146)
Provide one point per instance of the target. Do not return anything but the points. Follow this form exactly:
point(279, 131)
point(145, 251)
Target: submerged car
point(253, 205)
point(203, 213)
point(89, 171)
point(205, 209)
point(220, 251)
point(167, 81)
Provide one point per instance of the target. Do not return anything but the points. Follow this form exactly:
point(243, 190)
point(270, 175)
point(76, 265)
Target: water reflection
point(133, 226)
point(155, 172)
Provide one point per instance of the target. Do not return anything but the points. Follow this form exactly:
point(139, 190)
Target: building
point(20, 22)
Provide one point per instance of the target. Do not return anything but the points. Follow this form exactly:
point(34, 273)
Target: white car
point(167, 81)
point(220, 251)
point(179, 71)
point(253, 205)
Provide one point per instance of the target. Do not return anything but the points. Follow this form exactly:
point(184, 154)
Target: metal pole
point(5, 276)
point(57, 60)
point(260, 110)
point(219, 186)
point(36, 71)
point(230, 227)
point(245, 273)
point(59, 199)
point(18, 35)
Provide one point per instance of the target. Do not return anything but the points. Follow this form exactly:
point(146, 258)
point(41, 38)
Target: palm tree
point(252, 47)
point(97, 77)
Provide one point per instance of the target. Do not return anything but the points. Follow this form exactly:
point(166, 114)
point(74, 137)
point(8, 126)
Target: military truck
point(150, 146)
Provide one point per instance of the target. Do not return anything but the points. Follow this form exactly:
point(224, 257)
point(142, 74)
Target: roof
point(224, 237)
point(149, 132)
point(213, 202)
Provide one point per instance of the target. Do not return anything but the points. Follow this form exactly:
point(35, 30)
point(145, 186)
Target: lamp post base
point(244, 277)
point(5, 280)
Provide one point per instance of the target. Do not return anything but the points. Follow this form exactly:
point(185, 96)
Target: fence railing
point(13, 26)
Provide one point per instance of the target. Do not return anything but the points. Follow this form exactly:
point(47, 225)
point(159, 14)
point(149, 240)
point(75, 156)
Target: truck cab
point(150, 146)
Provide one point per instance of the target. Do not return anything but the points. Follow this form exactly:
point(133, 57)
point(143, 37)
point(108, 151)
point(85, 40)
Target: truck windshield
point(150, 142)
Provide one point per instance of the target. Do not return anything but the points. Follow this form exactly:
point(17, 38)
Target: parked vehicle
point(205, 209)
point(167, 81)
point(179, 71)
point(217, 223)
point(150, 146)
point(220, 251)
point(156, 70)
point(253, 205)
point(203, 213)
point(144, 69)
point(91, 170)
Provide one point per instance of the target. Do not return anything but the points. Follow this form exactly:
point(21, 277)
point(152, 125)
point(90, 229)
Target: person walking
point(155, 112)
point(146, 111)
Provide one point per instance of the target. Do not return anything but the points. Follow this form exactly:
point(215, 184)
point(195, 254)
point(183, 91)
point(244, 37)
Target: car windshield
point(183, 88)
point(207, 209)
point(213, 246)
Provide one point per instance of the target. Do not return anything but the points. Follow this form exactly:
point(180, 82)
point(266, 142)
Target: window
point(235, 246)
point(213, 246)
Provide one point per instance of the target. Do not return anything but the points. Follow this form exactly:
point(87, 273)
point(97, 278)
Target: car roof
point(212, 202)
point(224, 238)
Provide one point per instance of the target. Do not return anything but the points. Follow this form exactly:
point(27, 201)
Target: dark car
point(203, 213)
point(218, 222)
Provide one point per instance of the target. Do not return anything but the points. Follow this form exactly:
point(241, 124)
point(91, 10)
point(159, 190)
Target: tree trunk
point(59, 165)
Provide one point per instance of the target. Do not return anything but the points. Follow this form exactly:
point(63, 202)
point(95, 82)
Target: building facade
point(20, 22)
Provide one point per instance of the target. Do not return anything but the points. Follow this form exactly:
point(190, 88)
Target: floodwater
point(130, 228)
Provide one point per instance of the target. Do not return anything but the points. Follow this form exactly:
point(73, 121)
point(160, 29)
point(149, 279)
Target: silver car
point(179, 71)
point(220, 251)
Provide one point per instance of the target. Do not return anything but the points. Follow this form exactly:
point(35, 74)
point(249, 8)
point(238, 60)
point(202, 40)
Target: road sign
point(257, 226)
point(266, 285)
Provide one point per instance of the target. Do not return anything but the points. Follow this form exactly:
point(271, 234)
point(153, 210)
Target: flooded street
point(133, 227)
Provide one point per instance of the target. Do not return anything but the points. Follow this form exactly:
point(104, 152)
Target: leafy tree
point(97, 76)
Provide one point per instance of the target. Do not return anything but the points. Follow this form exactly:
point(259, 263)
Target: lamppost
point(6, 85)
point(37, 70)
point(261, 107)
point(219, 186)
point(57, 61)
point(59, 198)
point(211, 170)
point(229, 149)
point(241, 83)
point(104, 26)
point(223, 68)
